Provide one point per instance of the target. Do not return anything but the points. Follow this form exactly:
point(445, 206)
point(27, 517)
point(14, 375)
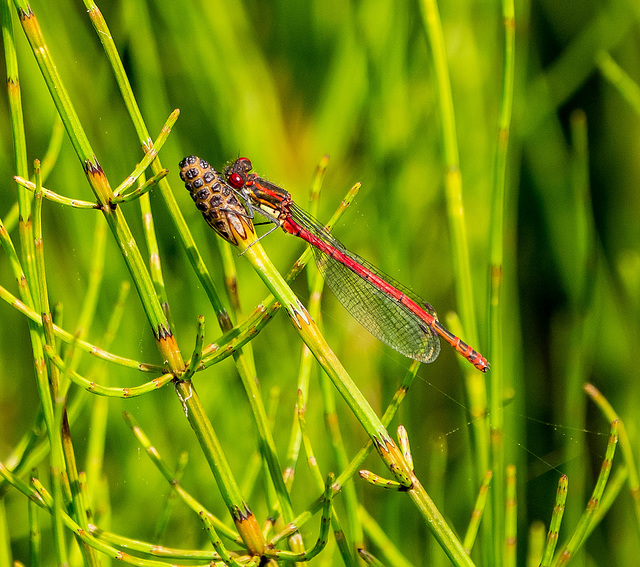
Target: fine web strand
point(573, 446)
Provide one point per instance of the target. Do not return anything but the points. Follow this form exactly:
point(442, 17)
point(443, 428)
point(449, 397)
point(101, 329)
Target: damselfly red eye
point(236, 180)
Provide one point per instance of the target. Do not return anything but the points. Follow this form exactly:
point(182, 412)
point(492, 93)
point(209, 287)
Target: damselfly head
point(236, 173)
point(216, 200)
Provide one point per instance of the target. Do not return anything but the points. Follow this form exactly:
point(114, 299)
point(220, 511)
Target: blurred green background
point(285, 83)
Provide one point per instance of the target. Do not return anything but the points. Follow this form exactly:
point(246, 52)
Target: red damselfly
point(386, 308)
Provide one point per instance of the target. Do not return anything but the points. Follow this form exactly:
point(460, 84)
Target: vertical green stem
point(242, 516)
point(494, 530)
point(19, 140)
point(511, 516)
point(475, 384)
point(453, 176)
point(55, 427)
point(5, 537)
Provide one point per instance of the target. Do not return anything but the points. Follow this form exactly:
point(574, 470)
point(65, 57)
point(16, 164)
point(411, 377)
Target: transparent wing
point(385, 317)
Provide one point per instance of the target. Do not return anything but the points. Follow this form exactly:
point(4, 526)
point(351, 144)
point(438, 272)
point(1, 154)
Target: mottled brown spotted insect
point(216, 200)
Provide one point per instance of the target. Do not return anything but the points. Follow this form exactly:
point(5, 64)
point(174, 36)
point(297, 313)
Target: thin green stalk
point(381, 482)
point(350, 497)
point(625, 445)
point(381, 540)
point(251, 473)
point(170, 499)
point(496, 275)
point(619, 78)
point(5, 538)
point(58, 468)
point(53, 150)
point(345, 549)
point(18, 273)
point(435, 479)
point(196, 356)
point(556, 521)
point(147, 217)
point(142, 191)
point(476, 392)
point(535, 543)
point(151, 151)
point(19, 140)
point(579, 535)
point(79, 502)
point(511, 519)
point(322, 536)
point(369, 558)
point(295, 438)
point(455, 208)
point(238, 336)
point(35, 334)
point(243, 518)
point(611, 493)
point(453, 177)
point(478, 510)
point(92, 293)
point(245, 364)
point(15, 99)
point(230, 278)
point(55, 197)
point(35, 535)
point(267, 443)
point(155, 267)
point(100, 410)
point(148, 548)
